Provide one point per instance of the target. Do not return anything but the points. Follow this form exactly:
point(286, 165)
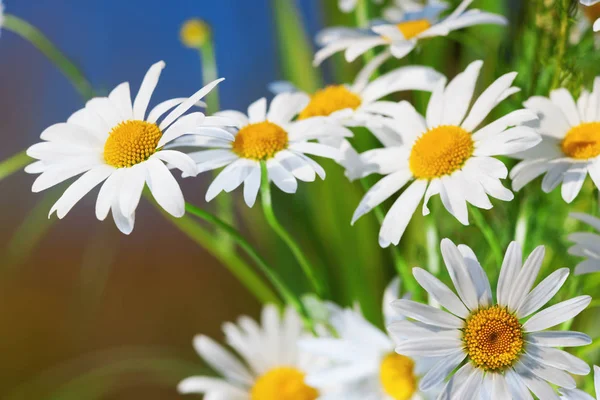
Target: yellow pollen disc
point(493, 338)
point(195, 33)
point(260, 141)
point(410, 29)
point(283, 383)
point(583, 141)
point(329, 100)
point(397, 376)
point(440, 151)
point(130, 143)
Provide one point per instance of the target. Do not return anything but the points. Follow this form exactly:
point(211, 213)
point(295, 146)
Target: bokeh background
point(89, 313)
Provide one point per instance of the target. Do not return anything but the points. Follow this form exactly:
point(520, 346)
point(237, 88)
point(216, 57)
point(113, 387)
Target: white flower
point(588, 3)
point(349, 5)
point(263, 136)
point(576, 394)
point(401, 38)
point(587, 245)
point(445, 153)
point(413, 9)
point(359, 104)
point(497, 352)
point(114, 141)
point(570, 146)
point(271, 360)
point(363, 365)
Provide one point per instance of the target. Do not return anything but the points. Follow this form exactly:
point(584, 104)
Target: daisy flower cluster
point(422, 146)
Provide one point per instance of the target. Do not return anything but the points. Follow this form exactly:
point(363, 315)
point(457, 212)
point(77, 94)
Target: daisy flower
point(116, 142)
point(445, 153)
point(589, 3)
point(272, 367)
point(405, 10)
point(570, 146)
point(363, 365)
point(349, 5)
point(501, 348)
point(263, 135)
point(576, 394)
point(401, 38)
point(587, 245)
point(359, 104)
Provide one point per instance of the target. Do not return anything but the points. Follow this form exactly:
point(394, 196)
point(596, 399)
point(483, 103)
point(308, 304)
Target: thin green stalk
point(522, 225)
point(41, 42)
point(361, 13)
point(269, 271)
point(561, 45)
point(489, 234)
point(402, 269)
point(307, 267)
point(235, 264)
point(14, 164)
point(209, 74)
point(432, 239)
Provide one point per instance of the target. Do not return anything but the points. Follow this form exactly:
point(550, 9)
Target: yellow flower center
point(410, 29)
point(493, 338)
point(284, 383)
point(440, 151)
point(397, 376)
point(194, 33)
point(583, 141)
point(130, 143)
point(329, 100)
point(260, 141)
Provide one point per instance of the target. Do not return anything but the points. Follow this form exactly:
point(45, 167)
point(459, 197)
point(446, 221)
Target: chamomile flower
point(401, 38)
point(500, 347)
point(363, 365)
point(349, 5)
point(270, 136)
point(116, 142)
point(589, 3)
point(576, 394)
point(570, 146)
point(445, 153)
point(272, 367)
point(401, 10)
point(587, 245)
point(359, 104)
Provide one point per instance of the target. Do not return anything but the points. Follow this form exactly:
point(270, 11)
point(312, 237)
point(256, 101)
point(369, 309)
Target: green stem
point(13, 164)
point(236, 265)
point(489, 234)
point(41, 42)
point(522, 224)
point(432, 239)
point(209, 74)
point(309, 270)
point(361, 13)
point(402, 269)
point(269, 271)
point(561, 45)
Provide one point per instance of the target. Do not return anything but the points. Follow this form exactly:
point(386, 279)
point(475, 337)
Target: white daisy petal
point(146, 89)
point(543, 293)
point(108, 193)
point(316, 149)
point(440, 292)
point(559, 338)
point(441, 370)
point(523, 282)
point(160, 109)
point(563, 99)
point(461, 279)
point(397, 219)
point(573, 180)
point(164, 188)
point(459, 93)
point(203, 384)
point(517, 387)
point(281, 177)
point(380, 192)
point(257, 112)
point(80, 188)
point(427, 314)
point(179, 160)
point(132, 184)
point(296, 165)
point(251, 186)
point(552, 120)
point(429, 347)
point(557, 314)
point(121, 98)
point(222, 361)
point(480, 279)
